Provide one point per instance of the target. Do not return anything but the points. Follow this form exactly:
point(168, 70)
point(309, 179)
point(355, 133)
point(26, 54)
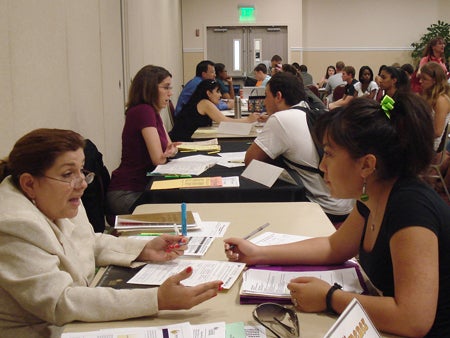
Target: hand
point(253, 117)
point(171, 149)
point(163, 248)
point(308, 293)
point(172, 295)
point(241, 250)
point(229, 79)
point(263, 117)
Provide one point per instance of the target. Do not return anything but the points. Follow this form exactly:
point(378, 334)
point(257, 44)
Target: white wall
point(60, 68)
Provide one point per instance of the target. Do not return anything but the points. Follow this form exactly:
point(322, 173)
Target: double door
point(241, 48)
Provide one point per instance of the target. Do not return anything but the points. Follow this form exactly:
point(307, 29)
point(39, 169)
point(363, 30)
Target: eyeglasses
point(280, 320)
point(76, 182)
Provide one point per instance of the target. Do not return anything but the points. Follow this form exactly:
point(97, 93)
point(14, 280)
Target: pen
point(254, 232)
point(177, 176)
point(236, 161)
point(149, 234)
point(183, 219)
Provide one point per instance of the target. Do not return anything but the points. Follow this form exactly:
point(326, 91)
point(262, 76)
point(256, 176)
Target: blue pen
point(183, 219)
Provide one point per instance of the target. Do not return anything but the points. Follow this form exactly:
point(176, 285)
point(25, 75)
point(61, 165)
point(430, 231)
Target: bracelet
point(330, 292)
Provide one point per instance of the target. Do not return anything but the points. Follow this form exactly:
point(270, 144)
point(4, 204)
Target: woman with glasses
point(399, 228)
point(49, 251)
point(201, 110)
point(145, 142)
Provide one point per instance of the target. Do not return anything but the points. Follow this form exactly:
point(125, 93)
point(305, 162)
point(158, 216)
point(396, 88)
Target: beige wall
point(61, 64)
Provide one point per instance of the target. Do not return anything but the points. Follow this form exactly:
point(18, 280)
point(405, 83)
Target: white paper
point(272, 238)
point(203, 271)
point(274, 283)
point(181, 330)
point(234, 128)
point(230, 182)
point(232, 159)
point(211, 330)
point(353, 319)
point(189, 165)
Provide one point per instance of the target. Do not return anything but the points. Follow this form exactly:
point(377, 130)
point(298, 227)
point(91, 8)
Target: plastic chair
point(314, 89)
point(338, 92)
point(434, 171)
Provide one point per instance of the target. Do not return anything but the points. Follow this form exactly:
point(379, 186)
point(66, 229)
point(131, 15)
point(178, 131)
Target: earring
point(364, 196)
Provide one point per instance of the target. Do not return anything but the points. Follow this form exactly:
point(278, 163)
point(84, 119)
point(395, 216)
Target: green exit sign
point(246, 13)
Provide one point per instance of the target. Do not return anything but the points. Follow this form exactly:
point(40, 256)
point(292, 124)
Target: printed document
point(203, 271)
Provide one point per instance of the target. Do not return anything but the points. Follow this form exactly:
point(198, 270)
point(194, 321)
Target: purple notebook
point(258, 299)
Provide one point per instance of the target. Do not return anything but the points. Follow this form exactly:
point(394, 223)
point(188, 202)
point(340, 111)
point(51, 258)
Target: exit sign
point(246, 13)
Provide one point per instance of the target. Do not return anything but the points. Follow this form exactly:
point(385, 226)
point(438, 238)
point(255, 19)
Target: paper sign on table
point(266, 173)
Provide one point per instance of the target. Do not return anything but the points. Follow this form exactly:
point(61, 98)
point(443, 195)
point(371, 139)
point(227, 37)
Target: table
point(249, 191)
point(299, 218)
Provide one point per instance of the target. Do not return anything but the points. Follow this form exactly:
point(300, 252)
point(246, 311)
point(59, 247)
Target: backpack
point(94, 197)
point(312, 114)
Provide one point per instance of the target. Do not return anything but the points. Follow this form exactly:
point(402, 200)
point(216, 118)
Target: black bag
point(94, 197)
point(312, 114)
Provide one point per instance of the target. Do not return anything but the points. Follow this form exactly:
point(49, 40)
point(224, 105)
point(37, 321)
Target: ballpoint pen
point(183, 219)
point(254, 232)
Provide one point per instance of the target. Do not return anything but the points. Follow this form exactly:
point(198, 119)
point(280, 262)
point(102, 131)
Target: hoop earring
point(364, 196)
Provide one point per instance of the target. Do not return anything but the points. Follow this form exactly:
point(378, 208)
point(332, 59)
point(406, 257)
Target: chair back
point(314, 89)
point(338, 92)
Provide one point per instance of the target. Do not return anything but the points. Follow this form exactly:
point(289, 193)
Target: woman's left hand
point(163, 248)
point(308, 294)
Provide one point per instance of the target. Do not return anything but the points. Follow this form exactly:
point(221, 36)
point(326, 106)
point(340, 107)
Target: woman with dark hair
point(331, 70)
point(201, 110)
point(366, 86)
point(434, 51)
point(399, 228)
point(392, 79)
point(50, 252)
point(145, 142)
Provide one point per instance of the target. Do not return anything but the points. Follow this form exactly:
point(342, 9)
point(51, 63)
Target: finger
point(178, 277)
point(301, 279)
point(200, 289)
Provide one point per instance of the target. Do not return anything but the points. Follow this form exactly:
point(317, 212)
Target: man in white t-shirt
point(286, 134)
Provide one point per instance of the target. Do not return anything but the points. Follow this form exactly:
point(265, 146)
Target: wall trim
point(349, 49)
point(193, 50)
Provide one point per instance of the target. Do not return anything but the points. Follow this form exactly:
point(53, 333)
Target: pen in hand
point(254, 232)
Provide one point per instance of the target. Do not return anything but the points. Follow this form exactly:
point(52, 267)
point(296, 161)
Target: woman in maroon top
point(145, 142)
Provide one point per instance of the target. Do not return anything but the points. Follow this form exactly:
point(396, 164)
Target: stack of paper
point(189, 165)
point(269, 283)
point(207, 145)
point(154, 222)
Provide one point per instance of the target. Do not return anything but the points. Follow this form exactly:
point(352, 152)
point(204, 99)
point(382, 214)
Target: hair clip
point(387, 104)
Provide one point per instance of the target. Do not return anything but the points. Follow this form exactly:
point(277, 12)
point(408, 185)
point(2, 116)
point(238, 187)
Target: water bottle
point(237, 107)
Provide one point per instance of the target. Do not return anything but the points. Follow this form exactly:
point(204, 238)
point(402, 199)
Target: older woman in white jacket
point(49, 250)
